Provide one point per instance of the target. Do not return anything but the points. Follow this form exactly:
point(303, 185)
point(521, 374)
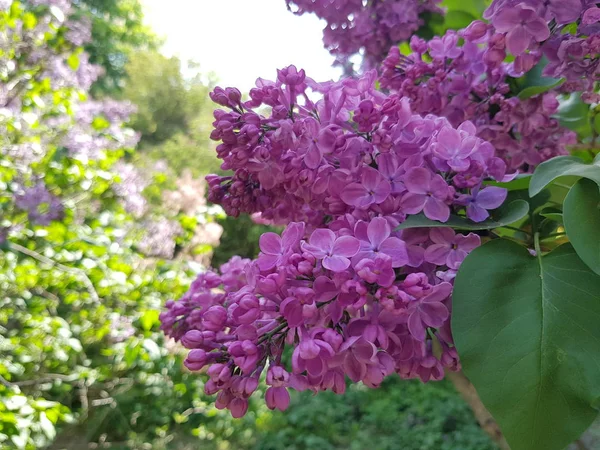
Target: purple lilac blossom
point(349, 293)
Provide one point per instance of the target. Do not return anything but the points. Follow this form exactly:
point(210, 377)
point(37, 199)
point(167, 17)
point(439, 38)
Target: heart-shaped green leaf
point(582, 221)
point(505, 215)
point(562, 166)
point(527, 330)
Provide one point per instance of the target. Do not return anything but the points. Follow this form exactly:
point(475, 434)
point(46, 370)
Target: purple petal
point(491, 197)
point(437, 254)
point(439, 187)
point(382, 191)
point(292, 234)
point(449, 140)
point(417, 180)
point(322, 238)
point(439, 294)
point(442, 236)
point(538, 28)
point(347, 246)
point(336, 263)
point(413, 203)
point(364, 351)
point(325, 289)
point(517, 40)
point(270, 243)
point(315, 366)
point(396, 249)
point(356, 194)
point(455, 258)
point(416, 327)
point(476, 213)
point(433, 314)
point(267, 262)
point(388, 164)
point(507, 19)
point(313, 157)
point(354, 369)
point(378, 231)
point(469, 242)
point(436, 209)
point(326, 141)
point(371, 178)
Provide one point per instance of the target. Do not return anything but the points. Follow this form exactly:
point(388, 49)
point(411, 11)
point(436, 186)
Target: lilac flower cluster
point(462, 76)
point(354, 151)
point(565, 31)
point(351, 295)
point(369, 28)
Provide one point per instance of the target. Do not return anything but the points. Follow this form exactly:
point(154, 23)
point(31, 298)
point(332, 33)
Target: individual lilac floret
point(427, 192)
point(481, 200)
point(450, 249)
point(333, 251)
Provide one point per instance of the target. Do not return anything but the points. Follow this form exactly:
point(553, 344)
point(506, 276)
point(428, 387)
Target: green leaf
point(455, 20)
point(148, 319)
point(473, 7)
point(536, 90)
point(505, 215)
point(556, 217)
point(518, 184)
point(534, 83)
point(561, 166)
point(582, 222)
point(527, 331)
point(573, 113)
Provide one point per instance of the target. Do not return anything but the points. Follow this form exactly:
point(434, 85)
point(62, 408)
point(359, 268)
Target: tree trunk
point(485, 419)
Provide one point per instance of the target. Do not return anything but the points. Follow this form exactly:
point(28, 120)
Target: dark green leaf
point(556, 217)
point(561, 166)
point(504, 215)
point(527, 332)
point(582, 222)
point(536, 90)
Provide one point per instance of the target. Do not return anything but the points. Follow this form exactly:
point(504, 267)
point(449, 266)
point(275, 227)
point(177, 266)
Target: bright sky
point(241, 40)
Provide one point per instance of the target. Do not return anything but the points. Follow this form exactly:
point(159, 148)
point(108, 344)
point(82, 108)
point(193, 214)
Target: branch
point(4, 382)
point(47, 378)
point(485, 419)
point(44, 259)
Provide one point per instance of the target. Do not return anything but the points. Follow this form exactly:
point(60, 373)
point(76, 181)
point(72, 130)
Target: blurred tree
point(174, 111)
point(117, 31)
point(167, 102)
